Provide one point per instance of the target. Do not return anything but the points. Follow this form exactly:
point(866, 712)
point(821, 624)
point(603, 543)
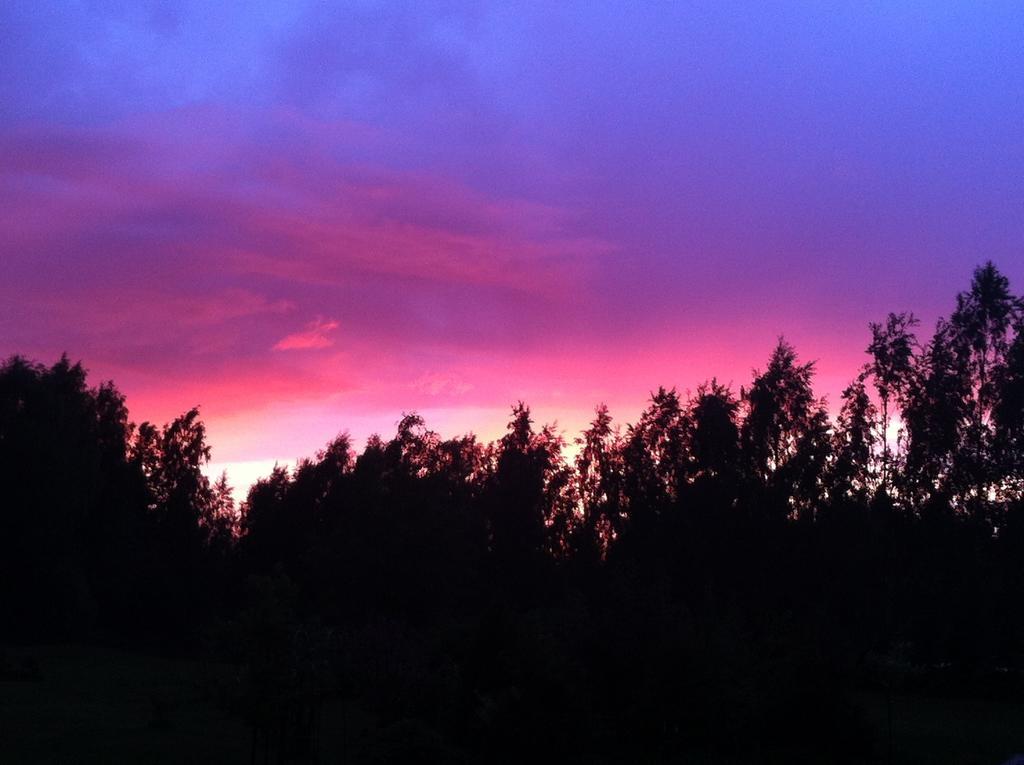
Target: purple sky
point(309, 220)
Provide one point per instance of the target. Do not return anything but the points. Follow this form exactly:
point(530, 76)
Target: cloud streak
point(316, 335)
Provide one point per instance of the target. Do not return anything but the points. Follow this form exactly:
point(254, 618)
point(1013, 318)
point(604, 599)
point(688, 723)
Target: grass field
point(100, 706)
point(936, 731)
point(104, 706)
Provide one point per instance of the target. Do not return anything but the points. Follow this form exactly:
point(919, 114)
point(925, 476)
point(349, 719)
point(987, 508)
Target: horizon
point(307, 220)
point(244, 474)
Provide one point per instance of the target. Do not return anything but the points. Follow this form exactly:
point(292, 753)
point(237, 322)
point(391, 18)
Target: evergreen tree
point(784, 435)
point(892, 369)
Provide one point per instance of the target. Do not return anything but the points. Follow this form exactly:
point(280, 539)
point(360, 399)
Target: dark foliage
point(717, 577)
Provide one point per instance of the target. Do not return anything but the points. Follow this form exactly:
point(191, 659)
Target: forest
point(724, 578)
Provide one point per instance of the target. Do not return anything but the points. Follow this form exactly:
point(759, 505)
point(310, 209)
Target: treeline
point(726, 569)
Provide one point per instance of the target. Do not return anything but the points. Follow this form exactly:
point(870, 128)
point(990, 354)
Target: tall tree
point(892, 368)
point(599, 479)
point(1008, 415)
point(69, 528)
point(980, 327)
point(784, 435)
point(655, 454)
point(936, 408)
point(221, 519)
point(528, 477)
point(714, 433)
point(181, 490)
point(851, 472)
point(264, 523)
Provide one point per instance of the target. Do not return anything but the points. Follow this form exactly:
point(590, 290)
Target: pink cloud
point(455, 301)
point(436, 384)
point(315, 335)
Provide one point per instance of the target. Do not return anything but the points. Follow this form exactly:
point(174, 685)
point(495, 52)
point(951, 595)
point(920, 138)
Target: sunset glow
point(308, 220)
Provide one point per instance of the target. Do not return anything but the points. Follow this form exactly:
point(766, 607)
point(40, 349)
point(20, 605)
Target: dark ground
point(97, 705)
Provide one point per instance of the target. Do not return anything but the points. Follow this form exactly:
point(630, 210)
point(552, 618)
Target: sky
point(309, 218)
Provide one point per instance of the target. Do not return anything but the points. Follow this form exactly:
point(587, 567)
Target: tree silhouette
point(1008, 408)
point(891, 367)
point(979, 329)
point(599, 480)
point(655, 460)
point(785, 434)
point(714, 433)
point(524, 490)
point(852, 470)
point(687, 587)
